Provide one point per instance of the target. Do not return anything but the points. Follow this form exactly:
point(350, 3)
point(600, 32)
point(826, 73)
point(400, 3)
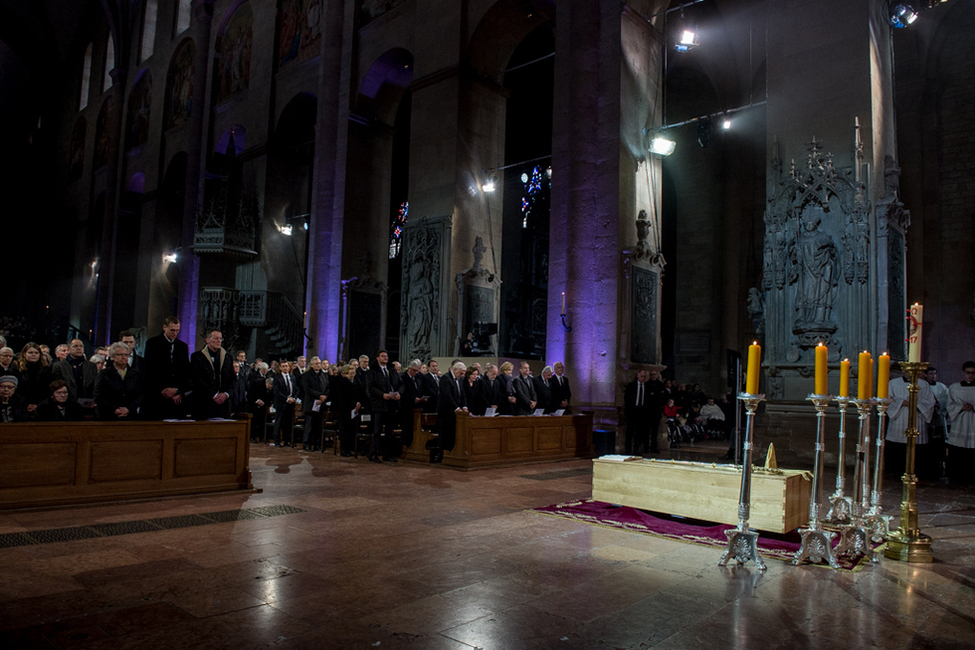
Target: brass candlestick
point(877, 523)
point(817, 543)
point(840, 505)
point(907, 543)
point(854, 539)
point(743, 541)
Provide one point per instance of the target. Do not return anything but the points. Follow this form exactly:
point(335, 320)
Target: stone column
point(324, 286)
point(189, 264)
point(106, 280)
point(584, 244)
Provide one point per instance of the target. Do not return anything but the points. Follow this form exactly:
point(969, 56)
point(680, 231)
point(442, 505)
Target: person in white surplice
point(961, 438)
point(899, 419)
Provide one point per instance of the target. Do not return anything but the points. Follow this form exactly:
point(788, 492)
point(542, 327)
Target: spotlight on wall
point(902, 15)
point(662, 146)
point(490, 184)
point(170, 258)
point(726, 124)
point(286, 229)
point(687, 40)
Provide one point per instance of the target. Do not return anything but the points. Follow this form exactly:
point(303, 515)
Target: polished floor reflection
point(410, 556)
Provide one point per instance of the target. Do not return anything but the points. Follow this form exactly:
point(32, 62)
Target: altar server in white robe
point(961, 438)
point(899, 419)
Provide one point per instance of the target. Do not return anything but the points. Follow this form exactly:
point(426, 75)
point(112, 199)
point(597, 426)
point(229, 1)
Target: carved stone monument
point(643, 276)
point(426, 262)
point(478, 302)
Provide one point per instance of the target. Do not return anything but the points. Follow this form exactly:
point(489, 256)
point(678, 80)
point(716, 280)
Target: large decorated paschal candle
point(844, 378)
point(821, 371)
point(754, 364)
point(883, 375)
point(863, 376)
point(914, 333)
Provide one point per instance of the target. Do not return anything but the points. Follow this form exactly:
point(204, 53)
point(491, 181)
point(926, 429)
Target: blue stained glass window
point(396, 230)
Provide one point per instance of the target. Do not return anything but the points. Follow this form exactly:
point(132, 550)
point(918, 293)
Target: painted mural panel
point(179, 86)
point(233, 65)
point(299, 32)
point(137, 120)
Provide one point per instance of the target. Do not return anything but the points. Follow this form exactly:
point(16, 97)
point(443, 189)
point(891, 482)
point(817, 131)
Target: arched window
point(182, 16)
point(109, 63)
point(148, 29)
point(396, 230)
point(85, 79)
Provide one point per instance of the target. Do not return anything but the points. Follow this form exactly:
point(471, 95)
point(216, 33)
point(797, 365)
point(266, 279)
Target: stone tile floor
point(413, 556)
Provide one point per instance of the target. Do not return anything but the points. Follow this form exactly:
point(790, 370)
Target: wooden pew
point(50, 464)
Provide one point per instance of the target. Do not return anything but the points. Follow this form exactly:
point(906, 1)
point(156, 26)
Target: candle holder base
point(878, 524)
point(742, 547)
point(816, 548)
point(840, 509)
point(909, 548)
point(854, 540)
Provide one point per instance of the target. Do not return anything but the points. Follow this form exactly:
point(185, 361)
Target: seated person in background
point(12, 406)
point(712, 414)
point(59, 407)
point(118, 392)
point(7, 366)
point(671, 410)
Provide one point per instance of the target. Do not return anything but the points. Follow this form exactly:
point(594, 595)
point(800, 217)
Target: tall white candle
point(914, 333)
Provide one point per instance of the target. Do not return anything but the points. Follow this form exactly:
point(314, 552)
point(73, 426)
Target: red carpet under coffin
point(770, 545)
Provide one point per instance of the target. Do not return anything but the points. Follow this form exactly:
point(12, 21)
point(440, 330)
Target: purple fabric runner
point(780, 547)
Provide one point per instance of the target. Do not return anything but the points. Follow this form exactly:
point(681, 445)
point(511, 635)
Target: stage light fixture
point(726, 124)
point(170, 258)
point(662, 146)
point(687, 41)
point(902, 15)
point(285, 230)
point(489, 184)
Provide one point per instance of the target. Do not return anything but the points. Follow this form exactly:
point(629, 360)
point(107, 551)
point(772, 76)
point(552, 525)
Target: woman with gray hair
point(118, 391)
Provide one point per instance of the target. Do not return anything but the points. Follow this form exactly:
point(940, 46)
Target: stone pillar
point(324, 286)
point(189, 264)
point(831, 255)
point(106, 280)
point(584, 244)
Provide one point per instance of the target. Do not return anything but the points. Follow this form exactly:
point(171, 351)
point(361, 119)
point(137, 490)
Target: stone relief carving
point(421, 269)
point(813, 257)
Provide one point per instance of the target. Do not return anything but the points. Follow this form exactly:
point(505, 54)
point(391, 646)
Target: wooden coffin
point(709, 492)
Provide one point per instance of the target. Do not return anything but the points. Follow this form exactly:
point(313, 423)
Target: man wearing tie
point(384, 394)
point(636, 406)
point(212, 374)
point(413, 398)
point(314, 390)
point(167, 376)
point(451, 401)
point(285, 393)
point(545, 390)
point(525, 399)
point(561, 393)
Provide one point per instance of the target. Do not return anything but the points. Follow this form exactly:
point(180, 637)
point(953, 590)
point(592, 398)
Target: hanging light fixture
point(662, 146)
point(902, 15)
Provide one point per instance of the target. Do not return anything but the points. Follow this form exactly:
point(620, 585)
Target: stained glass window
point(396, 229)
point(532, 185)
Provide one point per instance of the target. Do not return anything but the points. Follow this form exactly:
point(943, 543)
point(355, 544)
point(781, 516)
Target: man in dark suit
point(561, 393)
point(135, 361)
point(238, 394)
point(118, 393)
point(642, 407)
point(490, 388)
point(544, 390)
point(413, 398)
point(167, 374)
point(384, 398)
point(451, 401)
point(314, 390)
point(212, 376)
point(431, 386)
point(259, 399)
point(76, 372)
point(285, 390)
point(525, 398)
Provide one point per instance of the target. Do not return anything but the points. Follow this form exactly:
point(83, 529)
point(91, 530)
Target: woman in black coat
point(59, 407)
point(118, 391)
point(35, 376)
point(345, 400)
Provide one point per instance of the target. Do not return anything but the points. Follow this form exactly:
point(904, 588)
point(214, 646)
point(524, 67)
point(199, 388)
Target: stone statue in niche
point(642, 232)
point(478, 251)
point(814, 260)
point(756, 309)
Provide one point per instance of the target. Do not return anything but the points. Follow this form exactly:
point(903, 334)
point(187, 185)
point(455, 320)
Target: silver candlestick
point(840, 505)
point(877, 523)
point(817, 543)
point(854, 539)
point(743, 541)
